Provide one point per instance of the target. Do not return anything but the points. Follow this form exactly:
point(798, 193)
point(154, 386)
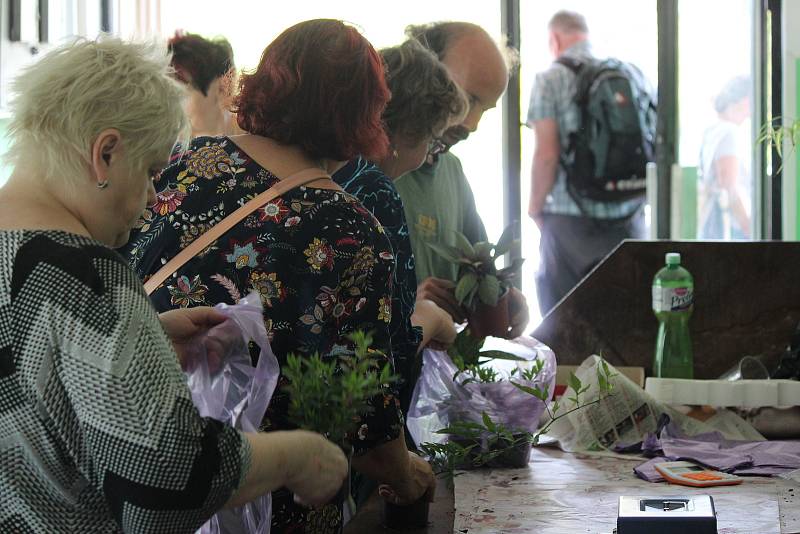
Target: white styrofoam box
point(744, 393)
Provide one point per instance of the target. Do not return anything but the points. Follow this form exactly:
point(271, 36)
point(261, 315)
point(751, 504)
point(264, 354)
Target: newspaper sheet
point(627, 415)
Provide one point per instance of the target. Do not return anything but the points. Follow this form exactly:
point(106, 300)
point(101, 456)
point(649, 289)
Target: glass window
point(716, 189)
point(624, 29)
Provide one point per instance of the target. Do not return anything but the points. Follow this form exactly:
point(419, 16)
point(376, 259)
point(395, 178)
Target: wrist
point(284, 447)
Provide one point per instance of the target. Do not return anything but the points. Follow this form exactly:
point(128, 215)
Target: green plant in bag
point(329, 395)
point(474, 444)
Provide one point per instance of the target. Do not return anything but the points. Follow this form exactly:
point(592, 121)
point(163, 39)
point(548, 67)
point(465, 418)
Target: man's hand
point(184, 325)
point(518, 312)
point(442, 293)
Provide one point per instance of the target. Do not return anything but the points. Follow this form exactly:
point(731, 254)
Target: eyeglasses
point(436, 147)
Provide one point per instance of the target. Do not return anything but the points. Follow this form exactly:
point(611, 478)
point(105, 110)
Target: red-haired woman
point(320, 261)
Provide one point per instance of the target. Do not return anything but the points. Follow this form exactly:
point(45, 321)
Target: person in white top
point(725, 179)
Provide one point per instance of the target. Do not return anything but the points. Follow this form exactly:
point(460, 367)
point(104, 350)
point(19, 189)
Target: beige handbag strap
point(215, 232)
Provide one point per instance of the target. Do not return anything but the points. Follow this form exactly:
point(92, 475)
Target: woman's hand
point(184, 325)
point(317, 468)
point(438, 329)
point(421, 482)
point(306, 463)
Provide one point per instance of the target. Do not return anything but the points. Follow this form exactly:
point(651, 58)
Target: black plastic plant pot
point(342, 499)
point(411, 516)
point(516, 453)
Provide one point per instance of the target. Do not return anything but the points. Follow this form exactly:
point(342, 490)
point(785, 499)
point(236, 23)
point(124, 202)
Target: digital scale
point(667, 515)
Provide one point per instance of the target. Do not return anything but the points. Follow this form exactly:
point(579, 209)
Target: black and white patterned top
point(97, 429)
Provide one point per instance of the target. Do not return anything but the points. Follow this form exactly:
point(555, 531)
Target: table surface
point(561, 492)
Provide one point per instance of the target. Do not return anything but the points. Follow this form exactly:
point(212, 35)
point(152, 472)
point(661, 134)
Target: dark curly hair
point(320, 85)
point(199, 61)
point(425, 100)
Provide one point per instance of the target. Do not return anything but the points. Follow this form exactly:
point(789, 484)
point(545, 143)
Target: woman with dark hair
point(206, 67)
point(425, 102)
point(319, 260)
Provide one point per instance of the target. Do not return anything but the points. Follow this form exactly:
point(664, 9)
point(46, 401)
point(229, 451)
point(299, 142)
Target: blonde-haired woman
point(97, 428)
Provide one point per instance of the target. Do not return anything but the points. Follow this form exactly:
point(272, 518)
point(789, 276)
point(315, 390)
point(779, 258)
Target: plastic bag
point(438, 399)
point(225, 386)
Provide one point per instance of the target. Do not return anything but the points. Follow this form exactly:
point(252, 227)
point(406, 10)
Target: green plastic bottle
point(673, 302)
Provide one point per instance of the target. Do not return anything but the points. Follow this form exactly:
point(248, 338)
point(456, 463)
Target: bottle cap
point(673, 258)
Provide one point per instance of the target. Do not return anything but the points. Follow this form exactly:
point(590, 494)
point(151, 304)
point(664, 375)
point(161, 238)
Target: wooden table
point(560, 492)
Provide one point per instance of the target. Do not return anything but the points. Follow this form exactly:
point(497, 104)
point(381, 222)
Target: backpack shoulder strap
point(297, 179)
point(571, 63)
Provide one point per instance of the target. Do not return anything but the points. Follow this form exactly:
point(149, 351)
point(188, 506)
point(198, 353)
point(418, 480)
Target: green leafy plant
point(329, 395)
point(468, 355)
point(475, 444)
point(479, 280)
point(775, 134)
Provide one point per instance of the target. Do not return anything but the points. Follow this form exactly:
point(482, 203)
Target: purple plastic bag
point(225, 386)
point(438, 399)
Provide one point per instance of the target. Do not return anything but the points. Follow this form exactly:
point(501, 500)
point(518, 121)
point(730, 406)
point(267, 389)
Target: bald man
point(437, 197)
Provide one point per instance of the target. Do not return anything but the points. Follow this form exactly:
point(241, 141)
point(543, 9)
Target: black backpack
point(605, 158)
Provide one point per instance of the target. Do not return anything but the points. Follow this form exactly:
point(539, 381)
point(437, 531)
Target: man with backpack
point(594, 122)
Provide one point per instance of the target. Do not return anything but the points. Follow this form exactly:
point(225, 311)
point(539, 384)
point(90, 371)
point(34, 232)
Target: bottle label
point(672, 298)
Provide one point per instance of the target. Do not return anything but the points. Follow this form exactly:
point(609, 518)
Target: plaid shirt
point(552, 97)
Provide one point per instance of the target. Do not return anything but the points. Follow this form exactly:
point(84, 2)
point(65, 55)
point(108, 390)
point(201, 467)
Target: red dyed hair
point(320, 85)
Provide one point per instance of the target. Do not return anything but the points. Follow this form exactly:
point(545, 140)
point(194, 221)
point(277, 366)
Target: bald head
point(476, 63)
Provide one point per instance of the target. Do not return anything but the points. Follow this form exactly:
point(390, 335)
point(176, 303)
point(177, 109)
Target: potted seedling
point(488, 443)
point(481, 288)
point(329, 395)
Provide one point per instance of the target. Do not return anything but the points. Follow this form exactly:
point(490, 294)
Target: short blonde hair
point(64, 100)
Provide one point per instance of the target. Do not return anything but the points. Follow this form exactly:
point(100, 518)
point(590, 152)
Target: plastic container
point(673, 303)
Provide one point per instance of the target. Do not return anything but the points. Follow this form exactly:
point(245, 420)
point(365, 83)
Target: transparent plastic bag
point(438, 399)
point(225, 386)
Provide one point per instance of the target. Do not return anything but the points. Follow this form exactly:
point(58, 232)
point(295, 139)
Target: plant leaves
point(487, 422)
point(464, 245)
point(501, 355)
point(465, 286)
point(506, 241)
point(489, 290)
point(451, 254)
point(575, 383)
point(483, 250)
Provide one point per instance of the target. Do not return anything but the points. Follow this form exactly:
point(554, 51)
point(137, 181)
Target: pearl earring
point(102, 185)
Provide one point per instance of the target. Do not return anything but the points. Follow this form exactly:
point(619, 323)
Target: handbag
point(215, 232)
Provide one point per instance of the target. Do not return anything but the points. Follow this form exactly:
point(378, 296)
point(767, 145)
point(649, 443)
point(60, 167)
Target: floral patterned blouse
point(320, 261)
point(367, 182)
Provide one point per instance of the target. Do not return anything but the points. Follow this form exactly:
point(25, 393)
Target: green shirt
point(438, 200)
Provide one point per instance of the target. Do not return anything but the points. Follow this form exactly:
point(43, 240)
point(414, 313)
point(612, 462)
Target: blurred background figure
point(207, 68)
point(725, 181)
